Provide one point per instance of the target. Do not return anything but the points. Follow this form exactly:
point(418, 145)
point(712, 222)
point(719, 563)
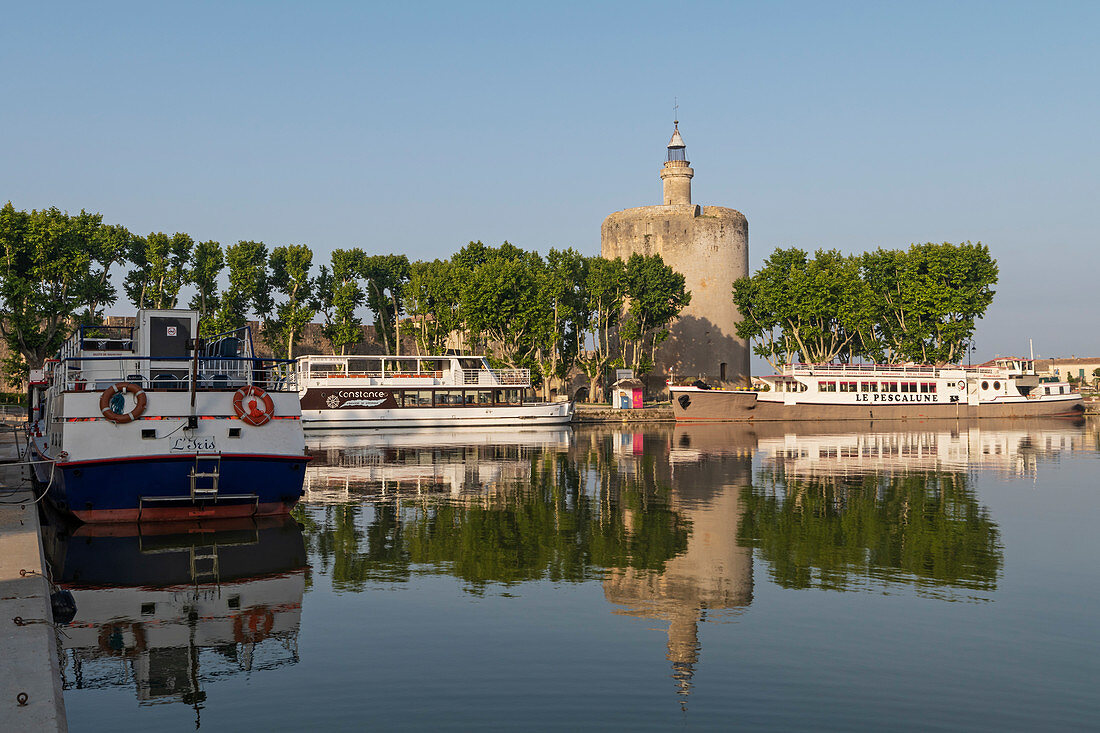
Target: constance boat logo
point(355, 398)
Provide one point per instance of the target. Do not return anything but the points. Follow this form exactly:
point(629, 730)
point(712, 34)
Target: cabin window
point(421, 398)
point(826, 386)
point(985, 385)
point(847, 386)
point(469, 397)
point(927, 387)
point(868, 386)
point(1061, 390)
point(513, 396)
point(996, 385)
point(485, 397)
point(448, 398)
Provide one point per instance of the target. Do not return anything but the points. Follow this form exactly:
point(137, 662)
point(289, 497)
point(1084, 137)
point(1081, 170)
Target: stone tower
point(709, 246)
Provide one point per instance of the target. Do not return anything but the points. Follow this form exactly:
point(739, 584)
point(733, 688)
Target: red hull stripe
point(182, 417)
point(184, 457)
point(183, 513)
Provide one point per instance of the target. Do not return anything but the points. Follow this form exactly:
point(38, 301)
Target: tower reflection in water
point(669, 520)
point(168, 608)
point(712, 574)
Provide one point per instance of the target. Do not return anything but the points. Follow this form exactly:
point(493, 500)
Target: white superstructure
point(418, 391)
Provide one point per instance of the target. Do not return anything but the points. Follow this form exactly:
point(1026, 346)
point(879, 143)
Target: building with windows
point(1079, 369)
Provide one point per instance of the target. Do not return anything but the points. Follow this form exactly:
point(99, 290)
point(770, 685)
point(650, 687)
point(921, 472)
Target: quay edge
point(30, 650)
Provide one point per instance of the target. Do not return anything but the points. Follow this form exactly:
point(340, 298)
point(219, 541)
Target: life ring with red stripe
point(121, 418)
point(247, 402)
point(253, 626)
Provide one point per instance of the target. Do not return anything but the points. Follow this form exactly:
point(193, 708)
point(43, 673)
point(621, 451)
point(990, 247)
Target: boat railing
point(494, 377)
point(374, 375)
point(899, 369)
point(96, 373)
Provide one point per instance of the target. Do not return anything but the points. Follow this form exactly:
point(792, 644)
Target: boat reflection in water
point(390, 463)
point(171, 607)
point(672, 520)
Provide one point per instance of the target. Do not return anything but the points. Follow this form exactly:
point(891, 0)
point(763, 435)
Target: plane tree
point(51, 265)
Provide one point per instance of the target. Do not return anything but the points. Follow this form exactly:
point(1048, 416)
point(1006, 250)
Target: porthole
point(996, 385)
point(985, 385)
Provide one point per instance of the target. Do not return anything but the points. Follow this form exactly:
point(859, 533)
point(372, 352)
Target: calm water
point(936, 576)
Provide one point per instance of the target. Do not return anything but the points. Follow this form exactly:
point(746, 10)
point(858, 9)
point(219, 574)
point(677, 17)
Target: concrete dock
point(31, 698)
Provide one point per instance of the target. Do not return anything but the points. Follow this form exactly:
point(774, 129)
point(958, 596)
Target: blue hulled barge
point(150, 423)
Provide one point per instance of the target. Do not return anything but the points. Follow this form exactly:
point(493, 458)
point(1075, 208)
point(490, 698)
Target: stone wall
point(709, 246)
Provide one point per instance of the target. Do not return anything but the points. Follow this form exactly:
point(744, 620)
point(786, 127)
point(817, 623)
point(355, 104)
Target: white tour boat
point(1010, 388)
point(148, 423)
point(418, 391)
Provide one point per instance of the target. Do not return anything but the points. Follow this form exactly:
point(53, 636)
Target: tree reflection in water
point(571, 516)
point(667, 521)
point(924, 529)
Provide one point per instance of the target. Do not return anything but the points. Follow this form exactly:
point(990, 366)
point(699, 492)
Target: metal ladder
point(199, 572)
point(204, 476)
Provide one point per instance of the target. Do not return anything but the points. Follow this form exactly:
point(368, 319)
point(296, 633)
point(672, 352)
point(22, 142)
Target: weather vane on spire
point(675, 112)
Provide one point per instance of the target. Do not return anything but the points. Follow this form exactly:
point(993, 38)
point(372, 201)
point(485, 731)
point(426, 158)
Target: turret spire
point(677, 172)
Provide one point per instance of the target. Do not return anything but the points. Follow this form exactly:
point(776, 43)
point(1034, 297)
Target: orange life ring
point(107, 632)
point(253, 626)
point(249, 413)
point(139, 403)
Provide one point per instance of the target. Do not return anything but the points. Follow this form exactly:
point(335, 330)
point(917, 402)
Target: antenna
point(675, 112)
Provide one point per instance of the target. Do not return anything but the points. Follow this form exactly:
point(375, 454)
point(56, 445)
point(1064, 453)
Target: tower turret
point(677, 172)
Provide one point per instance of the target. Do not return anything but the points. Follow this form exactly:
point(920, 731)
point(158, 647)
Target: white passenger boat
point(148, 423)
point(429, 391)
point(1010, 388)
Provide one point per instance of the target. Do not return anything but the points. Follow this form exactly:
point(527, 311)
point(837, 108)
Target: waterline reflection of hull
point(178, 604)
point(518, 416)
point(862, 447)
point(447, 461)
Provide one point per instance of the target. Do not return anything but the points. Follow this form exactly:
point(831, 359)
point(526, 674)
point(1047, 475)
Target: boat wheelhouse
point(418, 391)
point(1007, 388)
point(149, 423)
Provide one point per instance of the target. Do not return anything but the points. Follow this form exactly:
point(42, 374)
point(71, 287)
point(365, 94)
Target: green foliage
point(924, 302)
point(565, 314)
point(339, 296)
point(432, 299)
point(386, 277)
point(52, 264)
point(655, 295)
point(915, 305)
point(158, 268)
point(839, 534)
point(501, 299)
point(207, 263)
point(248, 287)
point(605, 288)
point(798, 306)
point(289, 277)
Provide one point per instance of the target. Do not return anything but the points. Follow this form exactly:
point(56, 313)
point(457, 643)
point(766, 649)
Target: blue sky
point(416, 127)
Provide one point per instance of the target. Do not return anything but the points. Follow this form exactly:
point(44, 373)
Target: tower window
point(722, 371)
